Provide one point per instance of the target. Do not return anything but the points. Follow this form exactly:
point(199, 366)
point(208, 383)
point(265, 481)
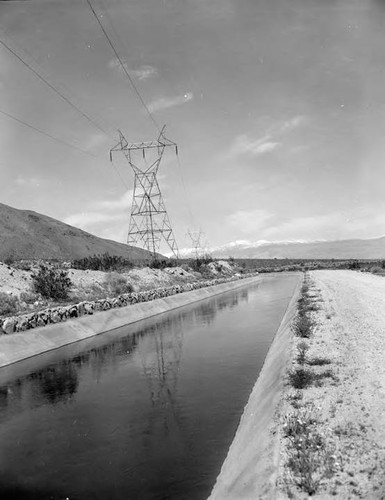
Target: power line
point(52, 87)
point(123, 67)
point(46, 134)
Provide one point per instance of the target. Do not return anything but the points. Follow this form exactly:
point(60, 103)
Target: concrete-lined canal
point(147, 411)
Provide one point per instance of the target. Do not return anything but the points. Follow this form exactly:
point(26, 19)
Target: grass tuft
point(319, 361)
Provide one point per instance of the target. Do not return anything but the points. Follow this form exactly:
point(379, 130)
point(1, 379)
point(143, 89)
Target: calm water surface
point(147, 411)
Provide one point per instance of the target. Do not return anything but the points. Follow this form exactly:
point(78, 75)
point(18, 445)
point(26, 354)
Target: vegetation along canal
point(147, 411)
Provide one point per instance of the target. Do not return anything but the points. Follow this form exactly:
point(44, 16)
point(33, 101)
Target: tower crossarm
point(149, 221)
point(161, 143)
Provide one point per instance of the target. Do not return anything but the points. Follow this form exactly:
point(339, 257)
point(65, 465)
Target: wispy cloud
point(28, 181)
point(357, 223)
point(291, 124)
point(87, 220)
point(169, 102)
point(249, 221)
point(254, 147)
point(271, 140)
point(112, 205)
point(143, 72)
point(106, 218)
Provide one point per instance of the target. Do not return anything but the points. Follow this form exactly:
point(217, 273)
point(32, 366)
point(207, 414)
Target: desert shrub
point(9, 259)
point(8, 304)
point(303, 327)
point(24, 265)
point(104, 262)
point(28, 297)
point(302, 349)
point(318, 361)
point(300, 378)
point(116, 284)
point(311, 457)
point(51, 283)
point(376, 270)
point(196, 264)
point(158, 264)
point(163, 263)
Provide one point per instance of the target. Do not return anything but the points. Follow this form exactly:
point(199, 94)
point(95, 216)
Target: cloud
point(270, 141)
point(254, 147)
point(87, 220)
point(357, 223)
point(169, 102)
point(105, 218)
point(28, 181)
point(291, 124)
point(122, 203)
point(143, 72)
point(249, 221)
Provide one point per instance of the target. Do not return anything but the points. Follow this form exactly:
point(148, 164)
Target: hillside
point(29, 235)
point(343, 249)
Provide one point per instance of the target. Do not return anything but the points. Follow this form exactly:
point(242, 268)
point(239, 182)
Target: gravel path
point(350, 408)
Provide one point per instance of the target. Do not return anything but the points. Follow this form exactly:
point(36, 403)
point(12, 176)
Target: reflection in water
point(57, 383)
point(147, 411)
point(160, 360)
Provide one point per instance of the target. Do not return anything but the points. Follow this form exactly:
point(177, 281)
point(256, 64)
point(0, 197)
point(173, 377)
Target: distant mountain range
point(342, 249)
point(29, 235)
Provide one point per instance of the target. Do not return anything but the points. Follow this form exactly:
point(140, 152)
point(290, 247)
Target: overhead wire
point(57, 139)
point(138, 94)
point(131, 81)
point(53, 88)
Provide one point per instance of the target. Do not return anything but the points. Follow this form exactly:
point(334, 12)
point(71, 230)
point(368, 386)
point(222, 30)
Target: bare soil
point(16, 281)
point(349, 408)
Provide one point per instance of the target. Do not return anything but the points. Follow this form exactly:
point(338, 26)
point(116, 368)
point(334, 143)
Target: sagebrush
point(103, 262)
point(52, 283)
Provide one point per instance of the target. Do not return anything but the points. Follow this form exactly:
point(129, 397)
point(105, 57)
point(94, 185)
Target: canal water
point(147, 411)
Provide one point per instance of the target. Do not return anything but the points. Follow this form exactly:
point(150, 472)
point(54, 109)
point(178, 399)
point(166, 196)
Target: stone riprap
point(62, 313)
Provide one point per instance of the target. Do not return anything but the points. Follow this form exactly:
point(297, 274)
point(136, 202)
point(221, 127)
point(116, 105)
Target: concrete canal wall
point(23, 345)
point(250, 468)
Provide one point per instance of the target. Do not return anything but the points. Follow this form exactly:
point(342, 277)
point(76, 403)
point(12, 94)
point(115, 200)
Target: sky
point(277, 107)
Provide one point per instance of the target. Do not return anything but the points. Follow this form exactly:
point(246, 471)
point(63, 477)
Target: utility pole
point(149, 221)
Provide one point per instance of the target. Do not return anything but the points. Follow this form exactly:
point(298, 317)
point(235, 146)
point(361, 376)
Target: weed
point(303, 326)
point(29, 297)
point(196, 264)
point(104, 262)
point(296, 425)
point(310, 458)
point(8, 304)
point(302, 349)
point(300, 378)
point(318, 361)
point(51, 283)
point(116, 284)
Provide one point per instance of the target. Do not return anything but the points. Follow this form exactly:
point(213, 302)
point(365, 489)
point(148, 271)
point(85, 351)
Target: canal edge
point(251, 465)
point(24, 345)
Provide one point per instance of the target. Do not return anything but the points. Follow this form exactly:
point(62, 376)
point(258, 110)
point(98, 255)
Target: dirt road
point(349, 408)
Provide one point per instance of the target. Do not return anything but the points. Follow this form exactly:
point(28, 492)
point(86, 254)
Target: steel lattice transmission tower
point(149, 221)
point(196, 244)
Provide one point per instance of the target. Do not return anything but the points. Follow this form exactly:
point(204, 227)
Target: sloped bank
point(251, 466)
point(63, 313)
point(25, 344)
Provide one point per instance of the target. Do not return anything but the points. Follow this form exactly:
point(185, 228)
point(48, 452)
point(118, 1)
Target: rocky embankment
point(62, 313)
